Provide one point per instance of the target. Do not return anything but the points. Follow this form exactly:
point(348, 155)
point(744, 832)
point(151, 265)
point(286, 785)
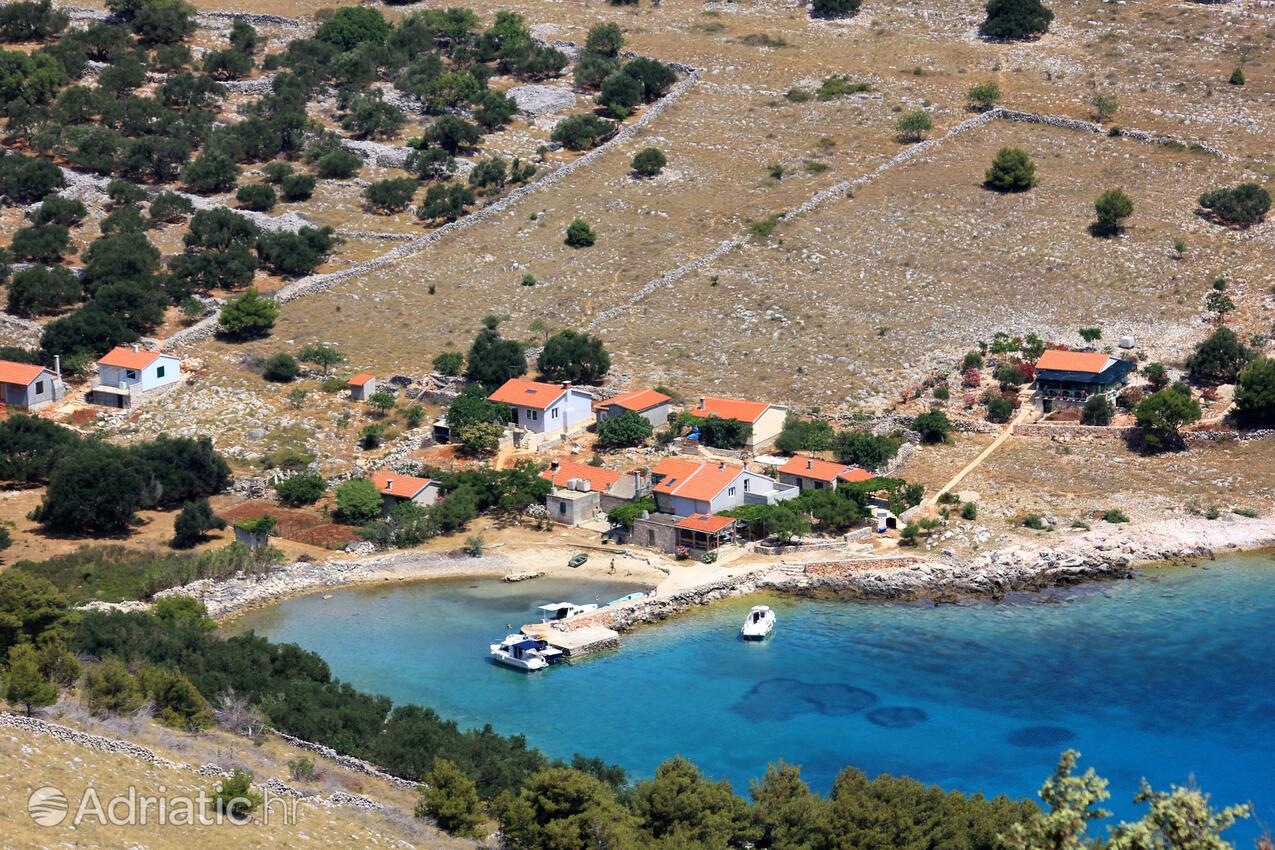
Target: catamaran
point(759, 623)
point(525, 653)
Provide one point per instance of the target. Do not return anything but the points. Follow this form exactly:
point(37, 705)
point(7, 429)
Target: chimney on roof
point(810, 463)
point(136, 348)
point(721, 464)
point(554, 465)
point(566, 385)
point(389, 483)
point(57, 365)
point(701, 402)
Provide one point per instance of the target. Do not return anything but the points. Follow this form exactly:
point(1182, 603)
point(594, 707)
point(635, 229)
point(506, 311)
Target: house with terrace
point(583, 493)
point(395, 488)
point(650, 405)
point(127, 374)
point(766, 420)
point(543, 414)
point(1073, 377)
point(683, 487)
point(28, 386)
point(810, 473)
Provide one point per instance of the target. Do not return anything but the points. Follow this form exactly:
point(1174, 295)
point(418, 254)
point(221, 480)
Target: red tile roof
point(1073, 361)
point(813, 467)
point(361, 379)
point(730, 408)
point(19, 373)
point(527, 393)
point(126, 358)
point(598, 477)
point(691, 480)
point(709, 523)
point(403, 486)
point(855, 474)
point(638, 400)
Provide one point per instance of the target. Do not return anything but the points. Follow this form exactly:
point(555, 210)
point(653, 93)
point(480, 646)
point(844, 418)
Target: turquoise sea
point(1168, 676)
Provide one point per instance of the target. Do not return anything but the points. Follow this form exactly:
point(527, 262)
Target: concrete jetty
point(577, 642)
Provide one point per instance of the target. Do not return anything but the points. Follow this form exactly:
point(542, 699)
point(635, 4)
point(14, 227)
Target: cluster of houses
point(689, 492)
point(124, 376)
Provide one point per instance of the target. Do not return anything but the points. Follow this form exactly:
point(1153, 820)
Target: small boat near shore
point(578, 559)
point(525, 653)
point(562, 610)
point(759, 623)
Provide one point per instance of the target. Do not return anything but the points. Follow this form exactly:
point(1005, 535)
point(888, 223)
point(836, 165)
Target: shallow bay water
point(1168, 676)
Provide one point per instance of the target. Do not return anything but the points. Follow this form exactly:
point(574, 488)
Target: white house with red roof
point(767, 420)
point(811, 473)
point(683, 487)
point(545, 413)
point(29, 386)
point(395, 488)
point(651, 405)
point(362, 386)
point(127, 373)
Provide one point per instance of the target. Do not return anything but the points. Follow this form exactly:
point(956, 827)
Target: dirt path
point(1023, 412)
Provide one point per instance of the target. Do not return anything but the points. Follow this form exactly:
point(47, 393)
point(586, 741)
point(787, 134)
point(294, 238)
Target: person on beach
point(612, 570)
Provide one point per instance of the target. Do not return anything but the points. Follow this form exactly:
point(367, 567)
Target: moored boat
point(525, 653)
point(562, 610)
point(759, 623)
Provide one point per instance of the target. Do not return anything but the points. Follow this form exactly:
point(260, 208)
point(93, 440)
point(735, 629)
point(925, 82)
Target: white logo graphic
point(47, 806)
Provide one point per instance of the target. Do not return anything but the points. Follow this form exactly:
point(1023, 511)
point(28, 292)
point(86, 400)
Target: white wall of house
point(768, 426)
point(570, 412)
point(43, 390)
point(163, 371)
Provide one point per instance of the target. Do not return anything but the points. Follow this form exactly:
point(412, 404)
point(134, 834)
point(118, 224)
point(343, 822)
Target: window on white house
point(159, 371)
point(555, 413)
point(531, 415)
point(39, 387)
point(745, 485)
point(562, 507)
point(131, 374)
point(732, 491)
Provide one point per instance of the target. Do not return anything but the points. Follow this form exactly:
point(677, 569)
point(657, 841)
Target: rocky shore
point(1094, 556)
point(1112, 552)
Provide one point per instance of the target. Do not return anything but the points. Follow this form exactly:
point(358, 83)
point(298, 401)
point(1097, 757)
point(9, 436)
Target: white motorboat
point(562, 610)
point(759, 623)
point(525, 653)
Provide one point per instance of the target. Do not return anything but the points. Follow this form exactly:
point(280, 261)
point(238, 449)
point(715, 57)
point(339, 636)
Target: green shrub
point(1011, 171)
point(1115, 515)
point(194, 522)
point(302, 489)
point(338, 165)
point(627, 429)
point(357, 501)
point(450, 798)
point(297, 187)
point(281, 368)
point(257, 197)
point(1016, 19)
point(969, 511)
point(649, 162)
point(1035, 521)
point(580, 234)
point(1243, 204)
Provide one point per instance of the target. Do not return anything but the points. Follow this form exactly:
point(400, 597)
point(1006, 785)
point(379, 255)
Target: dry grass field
point(29, 761)
point(922, 252)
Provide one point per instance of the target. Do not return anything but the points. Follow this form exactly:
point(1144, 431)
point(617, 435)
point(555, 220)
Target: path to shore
point(1023, 413)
